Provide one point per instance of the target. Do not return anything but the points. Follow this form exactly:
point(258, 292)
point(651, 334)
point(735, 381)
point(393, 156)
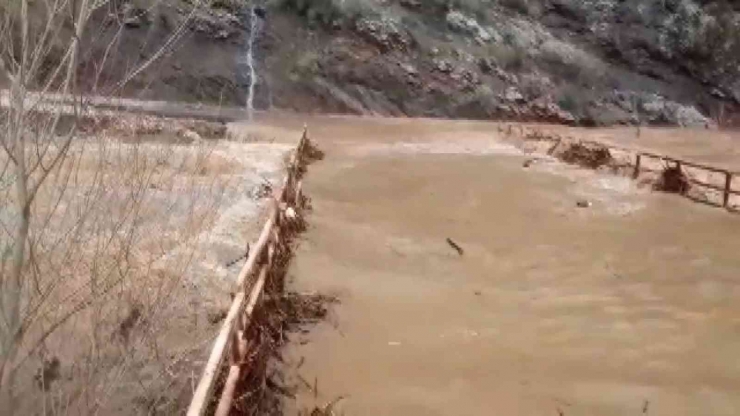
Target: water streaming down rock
point(255, 25)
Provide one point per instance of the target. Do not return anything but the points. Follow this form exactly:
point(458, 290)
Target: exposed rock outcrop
point(589, 62)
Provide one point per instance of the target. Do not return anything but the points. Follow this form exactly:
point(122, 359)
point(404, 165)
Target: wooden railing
point(726, 189)
point(231, 342)
point(729, 176)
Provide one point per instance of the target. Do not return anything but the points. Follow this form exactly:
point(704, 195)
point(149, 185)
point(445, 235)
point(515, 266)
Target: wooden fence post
point(637, 166)
point(299, 195)
point(235, 358)
point(728, 189)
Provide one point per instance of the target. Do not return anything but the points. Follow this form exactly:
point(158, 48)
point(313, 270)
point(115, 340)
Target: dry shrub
point(206, 129)
point(115, 228)
point(587, 155)
point(96, 233)
point(674, 180)
point(526, 7)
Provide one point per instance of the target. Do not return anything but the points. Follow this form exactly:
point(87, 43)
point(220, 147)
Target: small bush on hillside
point(703, 37)
point(534, 86)
point(510, 58)
point(478, 8)
point(231, 5)
point(307, 63)
point(525, 7)
point(710, 32)
point(329, 12)
point(722, 36)
point(569, 102)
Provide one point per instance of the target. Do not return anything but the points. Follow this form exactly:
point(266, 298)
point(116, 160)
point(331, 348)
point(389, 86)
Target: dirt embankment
point(573, 62)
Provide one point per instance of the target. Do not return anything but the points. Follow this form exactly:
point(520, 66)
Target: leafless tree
point(95, 232)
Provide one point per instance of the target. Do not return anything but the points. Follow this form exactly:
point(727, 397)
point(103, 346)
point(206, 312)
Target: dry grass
point(100, 218)
point(113, 316)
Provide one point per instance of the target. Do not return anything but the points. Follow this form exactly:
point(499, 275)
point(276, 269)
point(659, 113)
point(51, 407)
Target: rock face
point(657, 109)
point(458, 22)
point(591, 62)
point(134, 17)
point(384, 32)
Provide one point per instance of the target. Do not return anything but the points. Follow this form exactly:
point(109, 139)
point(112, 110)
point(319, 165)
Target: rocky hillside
point(588, 62)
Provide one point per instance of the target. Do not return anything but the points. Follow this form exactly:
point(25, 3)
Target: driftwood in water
point(455, 246)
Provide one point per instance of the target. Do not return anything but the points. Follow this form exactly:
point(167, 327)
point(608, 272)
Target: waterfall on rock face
point(255, 25)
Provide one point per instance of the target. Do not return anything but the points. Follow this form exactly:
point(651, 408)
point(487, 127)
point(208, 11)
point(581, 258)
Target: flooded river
point(627, 307)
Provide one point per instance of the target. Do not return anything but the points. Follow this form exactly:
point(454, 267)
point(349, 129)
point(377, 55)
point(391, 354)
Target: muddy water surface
point(627, 307)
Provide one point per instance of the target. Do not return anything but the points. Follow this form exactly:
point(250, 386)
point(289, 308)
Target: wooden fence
point(639, 155)
point(231, 341)
point(729, 176)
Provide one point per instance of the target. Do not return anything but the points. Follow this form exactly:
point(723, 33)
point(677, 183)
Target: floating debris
point(455, 246)
point(673, 180)
point(588, 155)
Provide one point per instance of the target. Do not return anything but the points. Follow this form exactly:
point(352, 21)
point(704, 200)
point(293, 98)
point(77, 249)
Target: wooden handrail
point(638, 166)
point(643, 153)
point(227, 396)
point(233, 330)
point(203, 392)
point(684, 162)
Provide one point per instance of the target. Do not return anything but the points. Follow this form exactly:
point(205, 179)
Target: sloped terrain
point(587, 62)
point(566, 61)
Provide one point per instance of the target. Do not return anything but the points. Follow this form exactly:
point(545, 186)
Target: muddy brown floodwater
point(627, 307)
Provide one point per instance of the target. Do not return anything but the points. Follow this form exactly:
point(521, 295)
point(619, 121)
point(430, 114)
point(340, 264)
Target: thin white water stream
point(254, 29)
